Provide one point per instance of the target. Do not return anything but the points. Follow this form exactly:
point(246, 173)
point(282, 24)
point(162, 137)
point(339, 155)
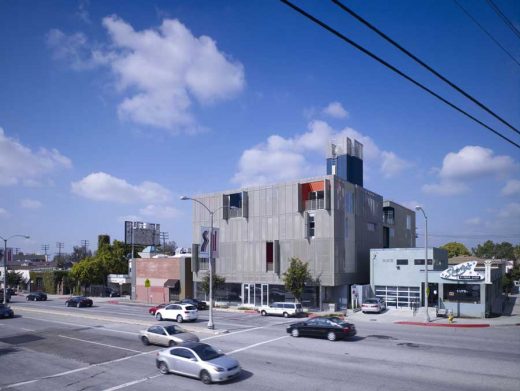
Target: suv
point(179, 312)
point(282, 309)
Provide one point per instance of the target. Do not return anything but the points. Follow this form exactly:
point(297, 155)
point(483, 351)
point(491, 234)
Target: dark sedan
point(36, 296)
point(331, 328)
point(79, 301)
point(201, 305)
point(6, 311)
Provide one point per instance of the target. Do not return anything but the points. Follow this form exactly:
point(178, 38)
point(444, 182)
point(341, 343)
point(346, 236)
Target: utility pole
point(164, 237)
point(45, 248)
point(59, 245)
point(85, 244)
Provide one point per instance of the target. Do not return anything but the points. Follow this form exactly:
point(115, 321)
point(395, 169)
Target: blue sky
point(112, 110)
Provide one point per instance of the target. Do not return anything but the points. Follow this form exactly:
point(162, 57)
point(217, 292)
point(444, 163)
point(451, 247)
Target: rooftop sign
point(463, 272)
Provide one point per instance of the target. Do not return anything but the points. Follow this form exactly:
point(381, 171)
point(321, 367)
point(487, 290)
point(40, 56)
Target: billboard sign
point(207, 240)
point(142, 234)
point(463, 272)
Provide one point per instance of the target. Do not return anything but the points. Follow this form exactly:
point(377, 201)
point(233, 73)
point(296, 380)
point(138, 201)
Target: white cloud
point(474, 221)
point(510, 211)
point(3, 213)
point(473, 162)
point(164, 69)
point(335, 110)
point(392, 165)
point(159, 211)
point(30, 204)
point(100, 186)
point(445, 188)
point(469, 164)
point(281, 159)
point(19, 164)
point(512, 187)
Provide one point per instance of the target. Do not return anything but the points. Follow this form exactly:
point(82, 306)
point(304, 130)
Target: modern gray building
point(330, 221)
point(471, 289)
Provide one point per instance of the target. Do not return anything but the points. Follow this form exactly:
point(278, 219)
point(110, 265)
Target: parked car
point(178, 312)
point(166, 335)
point(373, 305)
point(201, 305)
point(11, 291)
point(79, 301)
point(6, 311)
point(282, 309)
point(36, 296)
point(332, 328)
point(153, 310)
point(198, 360)
point(109, 292)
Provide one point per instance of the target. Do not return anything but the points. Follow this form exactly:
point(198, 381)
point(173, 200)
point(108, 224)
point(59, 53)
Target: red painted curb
point(476, 325)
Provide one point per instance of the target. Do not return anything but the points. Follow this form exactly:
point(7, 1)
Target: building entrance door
point(433, 294)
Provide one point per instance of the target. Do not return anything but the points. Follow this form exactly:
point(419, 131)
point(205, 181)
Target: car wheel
point(295, 333)
point(28, 298)
point(158, 316)
point(285, 315)
point(163, 368)
point(205, 377)
point(331, 336)
point(171, 343)
point(145, 341)
point(263, 313)
point(179, 319)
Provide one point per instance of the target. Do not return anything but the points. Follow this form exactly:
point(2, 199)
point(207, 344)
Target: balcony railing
point(315, 204)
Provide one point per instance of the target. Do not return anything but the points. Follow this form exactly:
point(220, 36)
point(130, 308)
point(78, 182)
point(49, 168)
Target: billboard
point(144, 234)
point(206, 241)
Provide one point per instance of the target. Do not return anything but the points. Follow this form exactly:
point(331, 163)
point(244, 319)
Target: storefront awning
point(172, 283)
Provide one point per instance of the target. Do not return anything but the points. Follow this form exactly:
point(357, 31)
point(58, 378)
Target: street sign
point(147, 283)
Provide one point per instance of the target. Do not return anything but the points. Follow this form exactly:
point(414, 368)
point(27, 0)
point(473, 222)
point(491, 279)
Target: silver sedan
point(169, 335)
point(198, 360)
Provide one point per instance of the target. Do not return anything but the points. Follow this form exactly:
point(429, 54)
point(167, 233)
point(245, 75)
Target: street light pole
point(5, 261)
point(426, 287)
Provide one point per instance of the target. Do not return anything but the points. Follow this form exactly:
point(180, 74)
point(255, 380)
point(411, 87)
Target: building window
point(403, 262)
point(310, 225)
point(467, 293)
point(408, 222)
point(421, 262)
point(388, 216)
point(269, 256)
point(371, 227)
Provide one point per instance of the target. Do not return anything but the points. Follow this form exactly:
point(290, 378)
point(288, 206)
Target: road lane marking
point(99, 343)
point(23, 328)
point(131, 383)
point(233, 333)
point(257, 344)
point(77, 370)
point(82, 325)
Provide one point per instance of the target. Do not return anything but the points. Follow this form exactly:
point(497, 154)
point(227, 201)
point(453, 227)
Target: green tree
point(88, 271)
point(218, 282)
point(15, 278)
point(455, 249)
point(79, 253)
point(296, 276)
point(485, 250)
point(489, 249)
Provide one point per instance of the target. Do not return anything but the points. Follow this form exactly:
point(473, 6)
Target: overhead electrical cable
point(486, 32)
point(418, 60)
point(503, 17)
point(391, 67)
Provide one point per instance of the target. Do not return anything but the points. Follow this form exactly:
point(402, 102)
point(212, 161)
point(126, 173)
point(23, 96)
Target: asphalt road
point(50, 347)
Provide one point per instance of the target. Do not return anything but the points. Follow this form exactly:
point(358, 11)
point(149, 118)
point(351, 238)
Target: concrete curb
point(424, 324)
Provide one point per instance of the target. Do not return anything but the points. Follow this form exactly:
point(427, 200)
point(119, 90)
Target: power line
point(503, 17)
point(421, 62)
point(486, 32)
point(396, 70)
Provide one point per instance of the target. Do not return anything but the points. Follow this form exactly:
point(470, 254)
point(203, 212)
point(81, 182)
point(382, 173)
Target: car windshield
point(206, 352)
point(172, 329)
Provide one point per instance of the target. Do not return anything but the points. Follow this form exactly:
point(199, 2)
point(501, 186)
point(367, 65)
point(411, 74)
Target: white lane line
point(23, 328)
point(131, 383)
point(77, 370)
point(233, 333)
point(257, 344)
point(82, 325)
point(99, 343)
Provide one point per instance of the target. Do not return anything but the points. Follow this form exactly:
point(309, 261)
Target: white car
point(373, 305)
point(178, 312)
point(281, 309)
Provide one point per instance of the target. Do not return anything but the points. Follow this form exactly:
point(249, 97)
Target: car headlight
point(218, 369)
